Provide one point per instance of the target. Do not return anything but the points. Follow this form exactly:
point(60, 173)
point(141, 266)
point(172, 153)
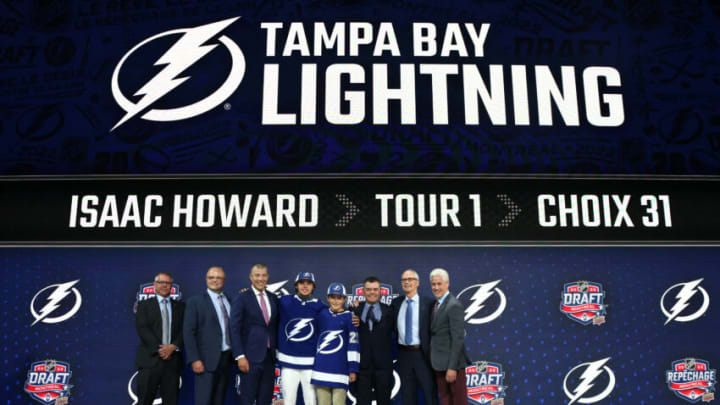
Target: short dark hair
point(371, 279)
point(164, 273)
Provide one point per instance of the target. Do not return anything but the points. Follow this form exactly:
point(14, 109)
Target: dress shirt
point(415, 338)
point(169, 309)
point(218, 310)
point(377, 312)
point(265, 297)
point(441, 299)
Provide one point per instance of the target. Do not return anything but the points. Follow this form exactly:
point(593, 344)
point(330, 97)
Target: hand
point(355, 321)
point(450, 376)
point(243, 364)
point(165, 351)
point(198, 367)
point(353, 377)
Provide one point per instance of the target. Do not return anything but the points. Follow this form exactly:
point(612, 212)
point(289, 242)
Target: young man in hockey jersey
point(337, 358)
point(297, 339)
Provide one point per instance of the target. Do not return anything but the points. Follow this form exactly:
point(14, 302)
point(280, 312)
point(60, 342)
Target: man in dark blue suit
point(253, 324)
point(377, 325)
point(412, 320)
point(206, 332)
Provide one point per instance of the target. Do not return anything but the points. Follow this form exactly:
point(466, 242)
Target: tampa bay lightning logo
point(299, 329)
point(52, 308)
point(330, 342)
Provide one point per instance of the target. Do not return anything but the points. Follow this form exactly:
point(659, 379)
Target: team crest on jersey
point(277, 398)
point(357, 293)
point(48, 382)
point(582, 301)
point(484, 380)
point(299, 329)
point(148, 291)
point(692, 380)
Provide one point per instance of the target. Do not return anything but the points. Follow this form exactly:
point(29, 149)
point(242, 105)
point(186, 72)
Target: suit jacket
point(376, 346)
point(447, 336)
point(202, 332)
point(425, 306)
point(148, 322)
point(248, 330)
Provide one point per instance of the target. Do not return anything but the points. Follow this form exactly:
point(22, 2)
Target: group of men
point(214, 332)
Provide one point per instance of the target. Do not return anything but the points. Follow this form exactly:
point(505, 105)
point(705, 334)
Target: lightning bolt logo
point(687, 291)
point(298, 324)
point(327, 338)
point(186, 51)
point(478, 299)
point(592, 371)
point(277, 288)
point(61, 291)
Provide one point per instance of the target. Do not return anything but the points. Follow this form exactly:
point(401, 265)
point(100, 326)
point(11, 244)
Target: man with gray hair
point(447, 341)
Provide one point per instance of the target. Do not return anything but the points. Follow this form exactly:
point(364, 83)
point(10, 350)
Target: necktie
point(437, 304)
point(264, 308)
point(226, 319)
point(371, 317)
point(165, 322)
point(408, 321)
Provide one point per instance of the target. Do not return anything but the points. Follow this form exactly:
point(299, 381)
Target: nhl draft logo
point(192, 46)
point(484, 380)
point(277, 398)
point(299, 329)
point(692, 380)
point(483, 302)
point(592, 381)
point(59, 303)
point(48, 382)
point(582, 301)
point(148, 291)
point(688, 305)
point(357, 293)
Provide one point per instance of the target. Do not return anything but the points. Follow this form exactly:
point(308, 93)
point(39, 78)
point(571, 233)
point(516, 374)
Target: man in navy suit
point(412, 320)
point(159, 323)
point(253, 324)
point(377, 325)
point(207, 340)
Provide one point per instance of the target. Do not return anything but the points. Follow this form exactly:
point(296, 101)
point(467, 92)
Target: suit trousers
point(379, 379)
point(256, 386)
point(415, 373)
point(452, 394)
point(211, 386)
point(165, 376)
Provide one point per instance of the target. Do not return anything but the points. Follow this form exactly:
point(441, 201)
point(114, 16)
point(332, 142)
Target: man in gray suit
point(447, 341)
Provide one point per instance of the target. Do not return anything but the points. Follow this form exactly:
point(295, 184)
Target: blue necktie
point(408, 321)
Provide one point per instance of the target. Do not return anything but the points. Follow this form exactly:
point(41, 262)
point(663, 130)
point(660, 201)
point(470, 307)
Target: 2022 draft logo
point(189, 49)
point(48, 382)
point(582, 301)
point(357, 293)
point(483, 302)
point(56, 303)
point(692, 380)
point(484, 383)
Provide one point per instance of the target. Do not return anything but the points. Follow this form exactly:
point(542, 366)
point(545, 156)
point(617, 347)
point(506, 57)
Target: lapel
point(175, 314)
point(155, 314)
point(440, 310)
point(211, 309)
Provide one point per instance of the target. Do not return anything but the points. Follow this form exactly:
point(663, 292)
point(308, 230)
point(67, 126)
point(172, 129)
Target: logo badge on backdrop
point(48, 382)
point(147, 291)
point(56, 303)
point(190, 48)
point(582, 301)
point(484, 382)
point(483, 302)
point(685, 302)
point(692, 380)
point(278, 288)
point(357, 293)
point(588, 384)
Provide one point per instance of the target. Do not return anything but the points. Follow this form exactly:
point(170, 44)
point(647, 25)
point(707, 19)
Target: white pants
point(291, 377)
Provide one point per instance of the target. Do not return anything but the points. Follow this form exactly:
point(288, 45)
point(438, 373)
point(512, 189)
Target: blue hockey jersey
point(338, 350)
point(297, 331)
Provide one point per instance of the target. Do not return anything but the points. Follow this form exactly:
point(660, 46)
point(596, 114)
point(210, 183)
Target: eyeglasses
point(407, 280)
point(215, 278)
point(164, 282)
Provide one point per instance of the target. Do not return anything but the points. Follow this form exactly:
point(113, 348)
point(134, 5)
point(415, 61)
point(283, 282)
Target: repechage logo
point(55, 301)
point(185, 52)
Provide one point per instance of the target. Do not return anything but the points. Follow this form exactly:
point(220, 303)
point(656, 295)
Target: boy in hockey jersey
point(337, 358)
point(297, 339)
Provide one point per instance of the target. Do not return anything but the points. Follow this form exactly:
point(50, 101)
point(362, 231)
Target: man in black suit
point(207, 340)
point(412, 320)
point(159, 323)
point(377, 324)
point(254, 338)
